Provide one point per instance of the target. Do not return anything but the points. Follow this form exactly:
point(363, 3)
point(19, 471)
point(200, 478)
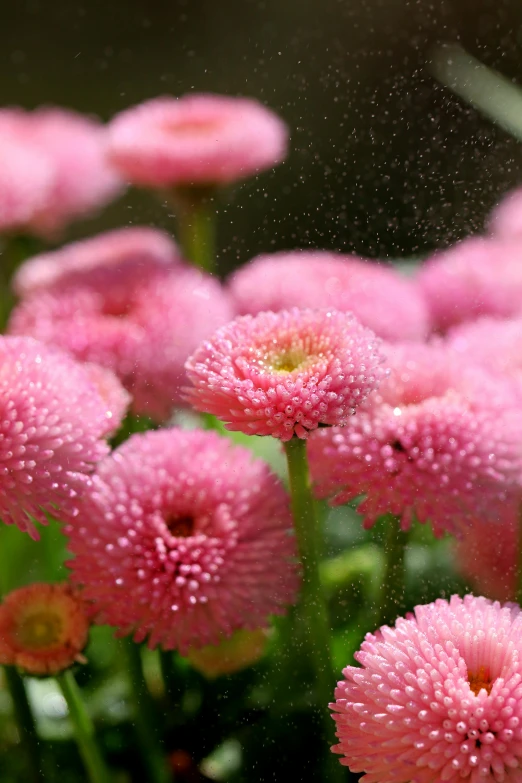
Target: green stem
point(313, 602)
point(391, 598)
point(83, 729)
point(24, 722)
point(168, 673)
point(145, 718)
point(196, 216)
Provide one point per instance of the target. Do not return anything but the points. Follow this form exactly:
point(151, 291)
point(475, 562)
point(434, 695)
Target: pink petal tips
point(284, 374)
point(184, 540)
point(436, 698)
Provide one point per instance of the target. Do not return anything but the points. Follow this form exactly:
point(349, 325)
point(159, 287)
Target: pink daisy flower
point(51, 432)
point(479, 276)
point(440, 442)
point(506, 219)
point(437, 697)
point(489, 561)
point(139, 319)
point(493, 343)
point(185, 539)
point(110, 249)
point(196, 140)
point(378, 296)
point(83, 180)
point(284, 374)
point(26, 178)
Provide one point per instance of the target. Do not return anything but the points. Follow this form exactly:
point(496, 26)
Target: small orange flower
point(43, 628)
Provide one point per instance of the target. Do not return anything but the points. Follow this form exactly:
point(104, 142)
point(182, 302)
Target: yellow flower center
point(479, 680)
point(288, 361)
point(39, 630)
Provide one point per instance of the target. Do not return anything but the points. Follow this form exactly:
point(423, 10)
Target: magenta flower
point(51, 432)
point(506, 219)
point(437, 697)
point(495, 344)
point(490, 560)
point(440, 442)
point(138, 317)
point(380, 297)
point(196, 140)
point(111, 249)
point(184, 540)
point(284, 374)
point(477, 277)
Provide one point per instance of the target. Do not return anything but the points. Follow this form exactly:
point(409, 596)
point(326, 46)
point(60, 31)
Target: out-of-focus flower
point(479, 276)
point(43, 628)
point(441, 441)
point(286, 373)
point(506, 219)
point(490, 559)
point(52, 424)
point(115, 249)
point(185, 539)
point(437, 697)
point(71, 146)
point(494, 343)
point(379, 296)
point(26, 178)
point(202, 140)
point(242, 649)
point(140, 319)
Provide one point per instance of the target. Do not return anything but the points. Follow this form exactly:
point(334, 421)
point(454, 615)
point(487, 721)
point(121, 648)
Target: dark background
point(385, 162)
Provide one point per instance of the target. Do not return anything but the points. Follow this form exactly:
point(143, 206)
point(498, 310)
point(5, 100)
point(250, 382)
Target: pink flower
point(115, 399)
point(284, 374)
point(52, 426)
point(196, 140)
point(479, 276)
point(79, 259)
point(26, 178)
point(440, 442)
point(138, 317)
point(437, 697)
point(83, 181)
point(378, 296)
point(506, 219)
point(490, 559)
point(185, 539)
point(493, 343)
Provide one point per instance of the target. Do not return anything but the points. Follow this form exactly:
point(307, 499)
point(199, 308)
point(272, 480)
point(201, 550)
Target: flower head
point(479, 276)
point(141, 318)
point(185, 539)
point(494, 343)
point(440, 442)
point(284, 374)
point(52, 424)
point(80, 260)
point(379, 296)
point(195, 140)
point(43, 628)
point(437, 697)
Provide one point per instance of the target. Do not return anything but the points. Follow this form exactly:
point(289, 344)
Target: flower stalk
point(196, 217)
point(25, 723)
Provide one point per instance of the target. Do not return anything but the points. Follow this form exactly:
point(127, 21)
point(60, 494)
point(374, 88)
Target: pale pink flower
point(489, 559)
point(110, 249)
point(141, 320)
point(479, 276)
point(495, 344)
point(506, 218)
point(437, 697)
point(196, 140)
point(185, 539)
point(286, 373)
point(52, 426)
point(83, 180)
point(379, 296)
point(441, 441)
